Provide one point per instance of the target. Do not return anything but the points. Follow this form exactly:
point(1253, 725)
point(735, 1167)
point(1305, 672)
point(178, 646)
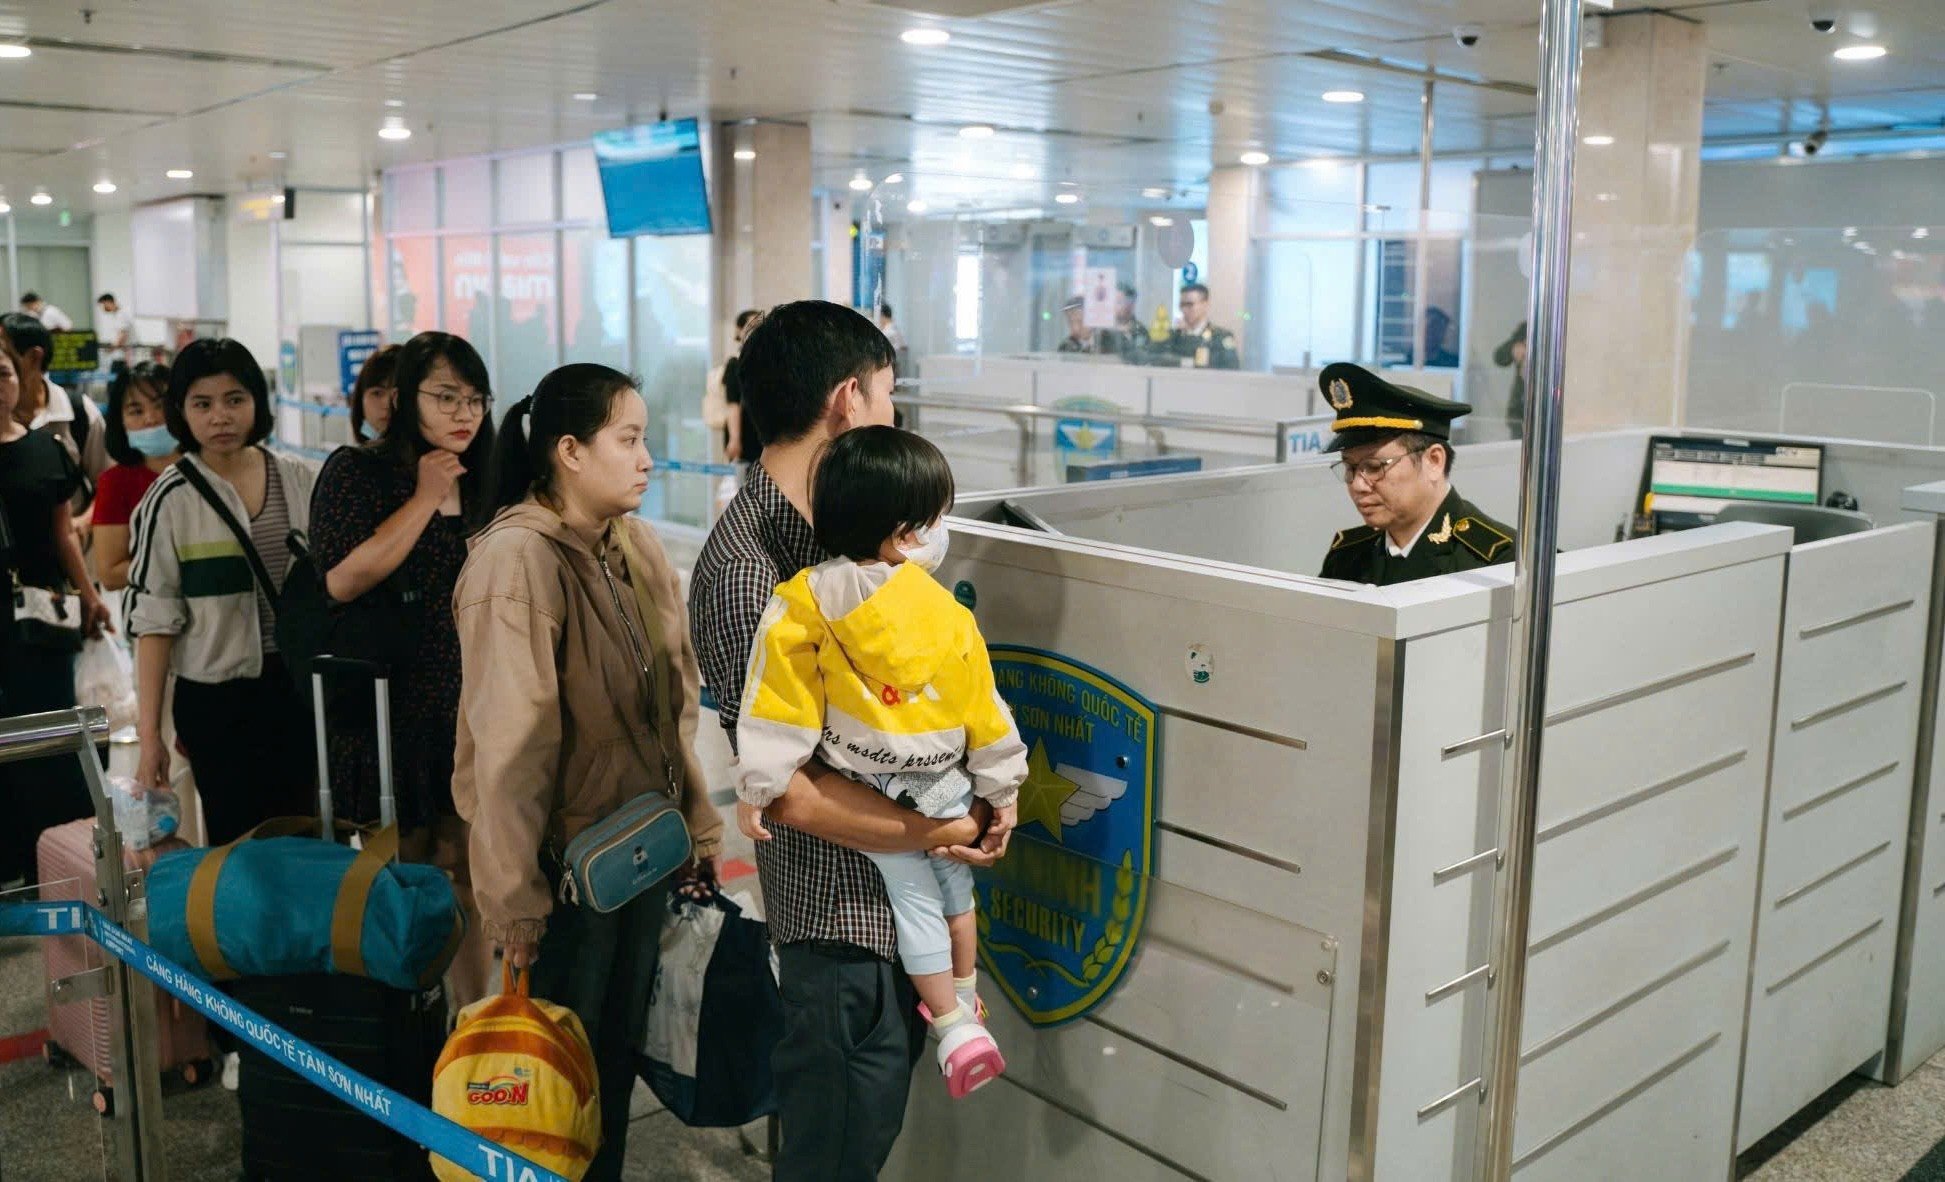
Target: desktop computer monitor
point(1690, 478)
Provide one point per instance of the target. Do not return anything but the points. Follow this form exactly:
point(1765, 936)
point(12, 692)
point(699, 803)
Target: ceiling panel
point(1114, 92)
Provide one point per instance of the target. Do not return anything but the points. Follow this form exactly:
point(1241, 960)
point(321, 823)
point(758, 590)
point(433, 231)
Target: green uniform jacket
point(1458, 538)
point(1211, 348)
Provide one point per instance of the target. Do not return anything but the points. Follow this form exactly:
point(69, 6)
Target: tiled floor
point(1859, 1131)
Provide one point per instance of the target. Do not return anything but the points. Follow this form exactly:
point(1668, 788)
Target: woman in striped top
point(199, 611)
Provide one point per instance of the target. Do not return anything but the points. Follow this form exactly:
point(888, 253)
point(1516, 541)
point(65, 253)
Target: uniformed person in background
point(1079, 338)
point(1196, 342)
point(1396, 445)
point(1129, 336)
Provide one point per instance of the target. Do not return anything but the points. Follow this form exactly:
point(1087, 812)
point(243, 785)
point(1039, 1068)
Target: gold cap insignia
point(1340, 394)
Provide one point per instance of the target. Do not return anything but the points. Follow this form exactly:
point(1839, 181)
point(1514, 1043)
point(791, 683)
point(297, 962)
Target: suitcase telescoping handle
point(382, 692)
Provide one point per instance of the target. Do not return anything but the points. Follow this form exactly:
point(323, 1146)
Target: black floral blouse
point(358, 489)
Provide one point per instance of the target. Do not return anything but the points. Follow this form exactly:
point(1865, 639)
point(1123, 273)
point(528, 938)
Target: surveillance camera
point(1468, 35)
point(1814, 142)
point(1823, 24)
point(1823, 15)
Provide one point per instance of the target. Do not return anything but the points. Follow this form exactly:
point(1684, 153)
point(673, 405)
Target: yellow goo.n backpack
point(519, 1071)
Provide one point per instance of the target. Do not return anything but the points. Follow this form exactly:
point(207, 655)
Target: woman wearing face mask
point(374, 395)
point(569, 682)
point(142, 448)
point(390, 520)
point(38, 549)
point(197, 605)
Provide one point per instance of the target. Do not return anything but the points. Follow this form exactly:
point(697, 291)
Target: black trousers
point(851, 1036)
point(36, 794)
point(251, 747)
point(602, 966)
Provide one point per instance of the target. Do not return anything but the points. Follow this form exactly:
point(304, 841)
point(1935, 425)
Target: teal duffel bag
point(278, 901)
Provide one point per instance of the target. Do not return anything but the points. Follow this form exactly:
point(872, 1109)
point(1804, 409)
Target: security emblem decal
point(1060, 916)
point(1340, 394)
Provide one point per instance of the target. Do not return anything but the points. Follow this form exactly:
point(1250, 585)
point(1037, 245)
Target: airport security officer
point(1196, 342)
point(1397, 464)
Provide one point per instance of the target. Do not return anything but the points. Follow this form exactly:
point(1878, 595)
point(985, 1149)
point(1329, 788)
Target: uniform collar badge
point(1444, 534)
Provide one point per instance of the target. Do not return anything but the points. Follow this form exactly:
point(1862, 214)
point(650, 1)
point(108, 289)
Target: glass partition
point(1818, 331)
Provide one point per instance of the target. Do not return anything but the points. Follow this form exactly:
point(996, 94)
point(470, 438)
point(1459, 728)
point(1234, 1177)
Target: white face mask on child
point(930, 551)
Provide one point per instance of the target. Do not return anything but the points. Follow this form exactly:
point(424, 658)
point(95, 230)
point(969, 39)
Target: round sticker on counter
point(1202, 664)
point(966, 594)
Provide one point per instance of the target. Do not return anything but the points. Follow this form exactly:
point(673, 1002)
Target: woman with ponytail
point(575, 662)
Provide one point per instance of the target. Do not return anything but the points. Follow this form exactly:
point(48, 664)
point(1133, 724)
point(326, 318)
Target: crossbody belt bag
point(645, 840)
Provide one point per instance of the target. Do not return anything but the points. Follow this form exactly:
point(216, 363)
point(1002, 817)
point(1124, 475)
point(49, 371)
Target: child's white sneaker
point(969, 1058)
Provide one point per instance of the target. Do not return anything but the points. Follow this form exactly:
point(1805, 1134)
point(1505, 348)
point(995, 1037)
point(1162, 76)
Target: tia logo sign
point(501, 1090)
point(1061, 913)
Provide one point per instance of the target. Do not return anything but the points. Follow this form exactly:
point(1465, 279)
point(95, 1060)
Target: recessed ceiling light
point(41, 198)
point(585, 96)
point(977, 131)
point(394, 130)
point(925, 36)
point(14, 49)
point(1343, 96)
point(1023, 172)
point(1067, 198)
point(277, 199)
point(1860, 53)
point(280, 155)
point(4, 207)
point(1158, 220)
point(395, 103)
point(1921, 232)
point(104, 187)
point(1607, 196)
point(896, 178)
point(180, 174)
point(1597, 141)
point(916, 207)
point(744, 153)
point(861, 183)
point(1155, 193)
point(1254, 158)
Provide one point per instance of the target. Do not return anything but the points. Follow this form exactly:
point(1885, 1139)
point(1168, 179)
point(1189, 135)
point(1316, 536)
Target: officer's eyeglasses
point(452, 402)
point(1372, 470)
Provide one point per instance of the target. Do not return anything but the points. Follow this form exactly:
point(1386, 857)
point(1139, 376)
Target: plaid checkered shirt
point(812, 889)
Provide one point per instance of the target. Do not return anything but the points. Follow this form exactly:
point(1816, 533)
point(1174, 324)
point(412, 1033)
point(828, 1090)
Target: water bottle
point(147, 820)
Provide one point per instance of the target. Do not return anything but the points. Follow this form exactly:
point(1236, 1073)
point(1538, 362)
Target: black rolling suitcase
point(292, 1129)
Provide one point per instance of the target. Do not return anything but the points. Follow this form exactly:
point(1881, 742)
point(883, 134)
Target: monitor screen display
point(1691, 479)
point(651, 179)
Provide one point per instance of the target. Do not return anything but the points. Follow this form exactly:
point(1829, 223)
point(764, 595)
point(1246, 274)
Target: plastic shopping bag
point(714, 1016)
point(104, 676)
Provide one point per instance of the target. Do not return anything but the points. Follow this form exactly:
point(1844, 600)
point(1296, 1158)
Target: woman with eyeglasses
point(391, 520)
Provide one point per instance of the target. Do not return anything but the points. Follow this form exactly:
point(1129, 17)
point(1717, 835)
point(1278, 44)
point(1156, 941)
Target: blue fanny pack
point(625, 853)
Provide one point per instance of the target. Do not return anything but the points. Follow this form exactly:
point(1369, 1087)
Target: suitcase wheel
point(104, 1100)
point(55, 1057)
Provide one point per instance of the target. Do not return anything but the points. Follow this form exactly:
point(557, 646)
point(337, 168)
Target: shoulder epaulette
point(1481, 536)
point(1351, 537)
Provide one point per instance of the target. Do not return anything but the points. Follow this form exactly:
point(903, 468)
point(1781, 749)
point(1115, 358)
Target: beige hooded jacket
point(554, 724)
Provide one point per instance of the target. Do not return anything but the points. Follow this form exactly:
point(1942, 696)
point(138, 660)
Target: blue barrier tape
point(327, 410)
point(396, 1112)
point(662, 465)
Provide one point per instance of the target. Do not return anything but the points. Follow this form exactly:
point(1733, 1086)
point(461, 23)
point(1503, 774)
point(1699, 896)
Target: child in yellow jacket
point(868, 664)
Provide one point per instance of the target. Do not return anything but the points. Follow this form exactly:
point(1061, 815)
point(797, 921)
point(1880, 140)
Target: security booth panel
point(1918, 989)
point(1848, 690)
point(1649, 835)
point(1226, 1036)
point(1284, 517)
point(1308, 971)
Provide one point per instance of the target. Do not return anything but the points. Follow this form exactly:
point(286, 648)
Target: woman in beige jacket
point(561, 676)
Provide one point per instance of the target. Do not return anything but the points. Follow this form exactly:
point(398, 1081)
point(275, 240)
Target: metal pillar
point(1539, 529)
point(1421, 250)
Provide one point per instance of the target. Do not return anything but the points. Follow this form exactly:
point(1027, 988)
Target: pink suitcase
point(79, 1030)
